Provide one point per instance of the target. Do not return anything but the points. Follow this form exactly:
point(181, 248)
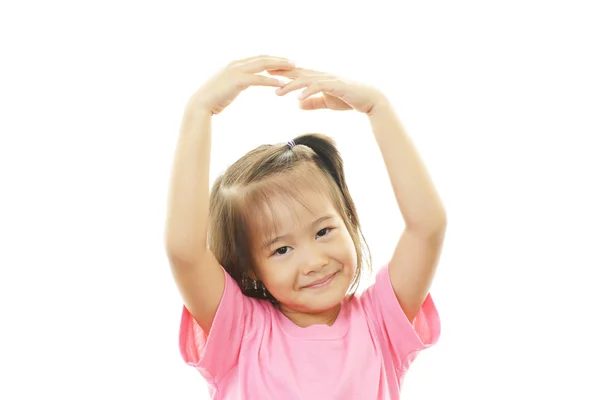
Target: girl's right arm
point(198, 275)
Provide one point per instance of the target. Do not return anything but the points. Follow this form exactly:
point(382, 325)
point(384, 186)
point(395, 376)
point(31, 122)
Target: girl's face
point(309, 263)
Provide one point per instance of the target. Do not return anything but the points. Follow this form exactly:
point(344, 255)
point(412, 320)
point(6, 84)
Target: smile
point(321, 283)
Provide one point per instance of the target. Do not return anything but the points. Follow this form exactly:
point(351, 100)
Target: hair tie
point(291, 143)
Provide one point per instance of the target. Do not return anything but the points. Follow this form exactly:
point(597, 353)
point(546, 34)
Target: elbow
point(435, 226)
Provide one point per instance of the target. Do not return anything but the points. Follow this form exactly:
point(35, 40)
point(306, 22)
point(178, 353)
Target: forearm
point(187, 213)
point(417, 198)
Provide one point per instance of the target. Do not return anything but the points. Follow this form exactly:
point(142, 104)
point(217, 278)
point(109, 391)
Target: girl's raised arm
point(198, 275)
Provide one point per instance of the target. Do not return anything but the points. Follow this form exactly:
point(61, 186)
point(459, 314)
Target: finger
point(332, 87)
point(282, 72)
point(264, 64)
point(314, 103)
point(295, 85)
point(260, 80)
point(296, 73)
point(254, 58)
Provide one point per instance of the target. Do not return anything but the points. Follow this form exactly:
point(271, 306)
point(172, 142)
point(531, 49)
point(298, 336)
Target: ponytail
point(329, 159)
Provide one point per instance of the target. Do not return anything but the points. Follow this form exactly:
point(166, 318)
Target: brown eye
point(277, 252)
point(325, 230)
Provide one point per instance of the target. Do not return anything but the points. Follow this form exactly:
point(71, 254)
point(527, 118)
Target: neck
point(304, 320)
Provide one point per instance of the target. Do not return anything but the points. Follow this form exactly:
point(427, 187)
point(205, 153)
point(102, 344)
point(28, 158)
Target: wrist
point(380, 106)
point(197, 110)
point(198, 104)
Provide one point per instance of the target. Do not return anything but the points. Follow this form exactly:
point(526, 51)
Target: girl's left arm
point(414, 262)
point(415, 259)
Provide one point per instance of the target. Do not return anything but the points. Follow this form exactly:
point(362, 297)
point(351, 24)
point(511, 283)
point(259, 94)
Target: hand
point(219, 91)
point(338, 93)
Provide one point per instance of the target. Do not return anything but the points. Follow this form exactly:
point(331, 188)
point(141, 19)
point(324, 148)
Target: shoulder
point(387, 318)
point(237, 319)
point(380, 289)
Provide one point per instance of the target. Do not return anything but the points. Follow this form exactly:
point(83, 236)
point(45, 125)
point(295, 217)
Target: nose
point(313, 260)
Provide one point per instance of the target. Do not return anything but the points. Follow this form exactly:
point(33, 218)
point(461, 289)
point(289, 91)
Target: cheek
point(349, 250)
point(280, 279)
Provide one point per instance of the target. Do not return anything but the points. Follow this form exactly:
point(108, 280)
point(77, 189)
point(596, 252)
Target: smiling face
point(308, 260)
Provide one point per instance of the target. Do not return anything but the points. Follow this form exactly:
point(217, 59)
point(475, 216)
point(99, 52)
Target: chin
point(326, 298)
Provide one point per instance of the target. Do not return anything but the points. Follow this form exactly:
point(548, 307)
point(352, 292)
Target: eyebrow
point(278, 238)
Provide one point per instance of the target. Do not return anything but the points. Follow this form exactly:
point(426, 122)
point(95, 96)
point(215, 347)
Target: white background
point(501, 98)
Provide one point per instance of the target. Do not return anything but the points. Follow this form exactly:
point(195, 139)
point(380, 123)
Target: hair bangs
point(257, 209)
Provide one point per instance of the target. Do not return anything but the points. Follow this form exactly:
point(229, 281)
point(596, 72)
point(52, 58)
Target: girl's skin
point(198, 274)
point(320, 249)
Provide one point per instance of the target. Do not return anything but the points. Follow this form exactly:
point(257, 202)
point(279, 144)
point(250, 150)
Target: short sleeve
point(214, 356)
point(404, 339)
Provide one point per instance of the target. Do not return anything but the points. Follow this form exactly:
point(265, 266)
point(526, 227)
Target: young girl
point(267, 264)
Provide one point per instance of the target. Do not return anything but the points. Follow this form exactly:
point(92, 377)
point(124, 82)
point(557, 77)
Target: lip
point(321, 282)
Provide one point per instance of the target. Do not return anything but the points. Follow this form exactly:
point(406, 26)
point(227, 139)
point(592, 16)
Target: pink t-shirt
point(254, 352)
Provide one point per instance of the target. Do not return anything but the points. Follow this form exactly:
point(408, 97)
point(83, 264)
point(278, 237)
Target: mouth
point(321, 283)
